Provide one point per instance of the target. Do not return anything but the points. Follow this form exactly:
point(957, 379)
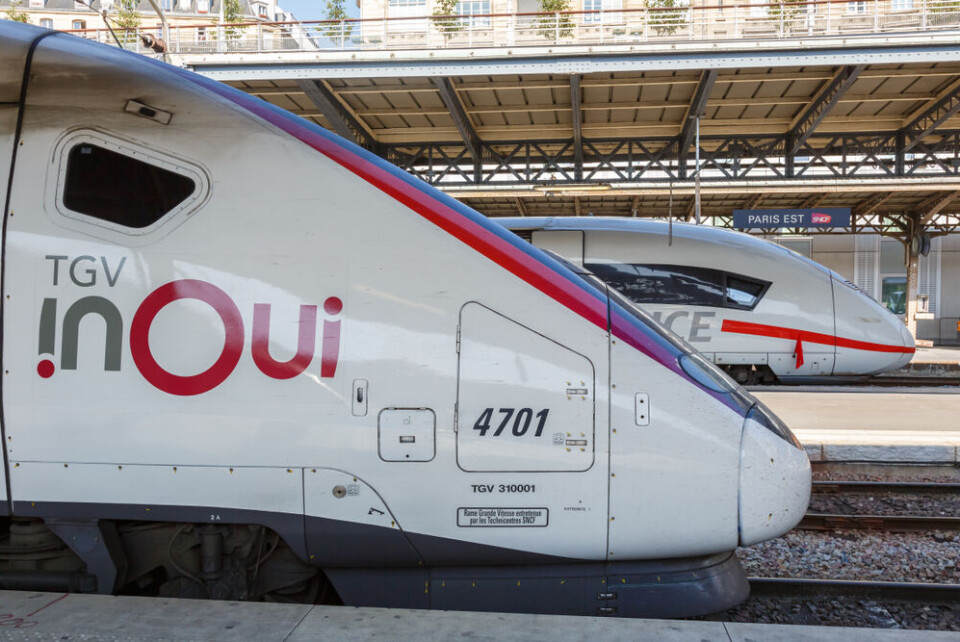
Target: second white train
point(759, 310)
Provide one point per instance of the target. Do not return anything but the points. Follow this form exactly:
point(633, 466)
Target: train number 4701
point(521, 421)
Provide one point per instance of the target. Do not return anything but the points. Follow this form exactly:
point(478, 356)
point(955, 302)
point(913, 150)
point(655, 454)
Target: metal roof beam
point(813, 201)
point(932, 206)
point(753, 201)
point(576, 119)
point(807, 120)
point(521, 207)
point(467, 131)
point(932, 115)
point(869, 206)
point(338, 116)
point(698, 103)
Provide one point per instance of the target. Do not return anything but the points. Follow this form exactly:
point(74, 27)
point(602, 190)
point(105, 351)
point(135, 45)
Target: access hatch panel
point(525, 402)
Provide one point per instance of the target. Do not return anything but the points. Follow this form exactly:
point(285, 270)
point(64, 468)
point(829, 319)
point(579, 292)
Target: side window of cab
point(111, 187)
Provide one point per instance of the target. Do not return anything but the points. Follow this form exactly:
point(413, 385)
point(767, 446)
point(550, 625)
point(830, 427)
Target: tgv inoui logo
point(143, 358)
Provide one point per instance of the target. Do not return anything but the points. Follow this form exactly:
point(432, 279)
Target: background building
point(74, 15)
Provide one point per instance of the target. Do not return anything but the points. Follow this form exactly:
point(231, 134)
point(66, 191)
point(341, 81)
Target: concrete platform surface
point(872, 424)
point(949, 355)
point(53, 616)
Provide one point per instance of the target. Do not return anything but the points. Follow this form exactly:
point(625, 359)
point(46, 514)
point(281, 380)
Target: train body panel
point(397, 334)
point(743, 301)
point(857, 312)
point(692, 463)
point(219, 318)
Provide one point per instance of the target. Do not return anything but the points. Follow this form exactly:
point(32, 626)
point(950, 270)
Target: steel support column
point(695, 109)
point(459, 115)
point(576, 119)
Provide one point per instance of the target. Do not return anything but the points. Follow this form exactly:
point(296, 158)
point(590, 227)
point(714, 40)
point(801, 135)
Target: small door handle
point(360, 397)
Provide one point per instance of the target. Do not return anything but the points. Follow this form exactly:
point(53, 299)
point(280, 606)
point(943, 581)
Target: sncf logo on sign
point(820, 219)
point(234, 332)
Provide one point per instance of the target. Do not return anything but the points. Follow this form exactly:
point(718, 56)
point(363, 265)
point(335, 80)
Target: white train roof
point(634, 225)
point(735, 241)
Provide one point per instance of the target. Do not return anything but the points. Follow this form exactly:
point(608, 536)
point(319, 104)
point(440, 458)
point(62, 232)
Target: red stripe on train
point(801, 336)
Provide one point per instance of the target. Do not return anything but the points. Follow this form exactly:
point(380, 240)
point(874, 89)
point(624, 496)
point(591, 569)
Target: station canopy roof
point(606, 132)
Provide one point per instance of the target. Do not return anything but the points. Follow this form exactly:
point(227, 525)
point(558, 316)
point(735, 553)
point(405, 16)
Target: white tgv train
point(244, 358)
point(758, 310)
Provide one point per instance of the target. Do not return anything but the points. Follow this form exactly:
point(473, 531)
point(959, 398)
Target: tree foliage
point(786, 10)
point(445, 17)
point(13, 13)
point(128, 19)
point(233, 11)
point(558, 24)
point(336, 10)
point(668, 15)
point(232, 14)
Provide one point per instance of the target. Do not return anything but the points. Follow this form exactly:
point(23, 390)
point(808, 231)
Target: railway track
point(888, 523)
point(885, 523)
point(884, 487)
point(910, 382)
point(943, 384)
point(887, 591)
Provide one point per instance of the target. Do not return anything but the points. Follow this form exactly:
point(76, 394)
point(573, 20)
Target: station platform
point(53, 616)
point(845, 424)
point(938, 360)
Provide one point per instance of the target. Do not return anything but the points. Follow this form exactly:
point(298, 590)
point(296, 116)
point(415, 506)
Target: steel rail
point(897, 488)
point(892, 591)
point(885, 523)
point(911, 382)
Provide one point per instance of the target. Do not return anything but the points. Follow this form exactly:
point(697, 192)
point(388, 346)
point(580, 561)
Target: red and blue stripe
point(469, 226)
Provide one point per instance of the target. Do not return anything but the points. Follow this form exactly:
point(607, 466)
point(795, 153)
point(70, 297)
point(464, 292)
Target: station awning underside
point(877, 133)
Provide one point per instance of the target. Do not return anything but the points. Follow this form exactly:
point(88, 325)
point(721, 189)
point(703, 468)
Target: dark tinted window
point(663, 283)
point(114, 187)
point(681, 285)
point(743, 293)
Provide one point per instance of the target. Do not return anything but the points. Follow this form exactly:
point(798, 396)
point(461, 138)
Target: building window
point(901, 5)
point(856, 7)
point(407, 9)
point(166, 5)
point(203, 6)
point(79, 24)
point(607, 11)
point(201, 34)
point(260, 10)
point(46, 23)
point(37, 4)
point(893, 276)
point(592, 5)
point(470, 8)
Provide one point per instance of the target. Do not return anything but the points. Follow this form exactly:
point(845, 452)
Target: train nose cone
point(774, 478)
point(909, 344)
